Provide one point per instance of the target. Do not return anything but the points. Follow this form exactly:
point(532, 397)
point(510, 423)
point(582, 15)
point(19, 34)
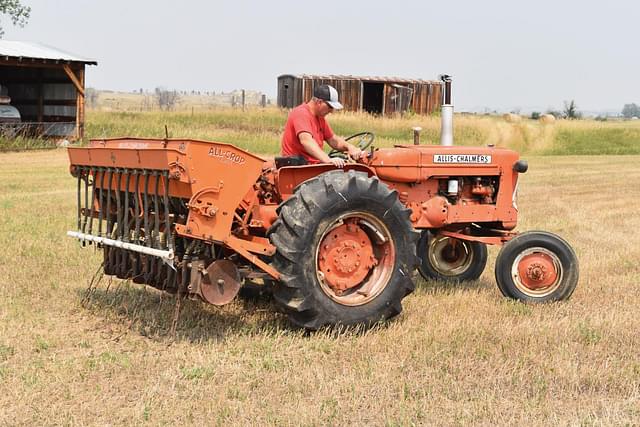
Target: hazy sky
point(502, 54)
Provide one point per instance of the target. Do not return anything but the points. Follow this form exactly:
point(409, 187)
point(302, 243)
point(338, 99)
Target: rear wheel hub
point(355, 259)
point(346, 256)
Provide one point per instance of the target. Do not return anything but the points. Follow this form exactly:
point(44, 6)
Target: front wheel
point(537, 267)
point(449, 259)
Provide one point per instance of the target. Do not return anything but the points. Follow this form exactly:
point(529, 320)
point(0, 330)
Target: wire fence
point(37, 129)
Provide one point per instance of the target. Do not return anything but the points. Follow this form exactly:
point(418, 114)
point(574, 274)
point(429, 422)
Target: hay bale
point(511, 118)
point(547, 118)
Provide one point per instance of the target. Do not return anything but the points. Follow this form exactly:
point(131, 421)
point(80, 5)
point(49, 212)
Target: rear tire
point(252, 291)
point(440, 261)
point(345, 251)
point(537, 266)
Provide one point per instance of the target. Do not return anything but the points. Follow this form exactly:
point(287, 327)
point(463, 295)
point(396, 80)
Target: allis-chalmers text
point(462, 158)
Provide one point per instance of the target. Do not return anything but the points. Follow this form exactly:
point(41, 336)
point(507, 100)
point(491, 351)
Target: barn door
point(399, 99)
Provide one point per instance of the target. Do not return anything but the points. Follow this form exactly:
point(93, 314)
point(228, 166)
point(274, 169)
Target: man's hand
point(355, 153)
point(337, 162)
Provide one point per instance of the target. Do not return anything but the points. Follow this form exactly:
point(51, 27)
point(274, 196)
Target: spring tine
point(162, 276)
point(85, 178)
point(156, 265)
point(135, 267)
point(146, 207)
point(100, 203)
point(126, 206)
point(167, 214)
point(118, 204)
point(156, 219)
point(108, 261)
point(165, 271)
point(125, 224)
point(93, 197)
point(108, 212)
point(147, 239)
point(166, 283)
point(118, 217)
point(136, 233)
point(80, 169)
point(170, 278)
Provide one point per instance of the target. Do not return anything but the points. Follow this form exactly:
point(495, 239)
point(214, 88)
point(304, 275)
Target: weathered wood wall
point(400, 95)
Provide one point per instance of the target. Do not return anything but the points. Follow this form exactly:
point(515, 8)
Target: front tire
point(537, 266)
point(345, 251)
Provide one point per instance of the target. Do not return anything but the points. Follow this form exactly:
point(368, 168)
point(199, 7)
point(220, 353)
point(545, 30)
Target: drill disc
point(222, 282)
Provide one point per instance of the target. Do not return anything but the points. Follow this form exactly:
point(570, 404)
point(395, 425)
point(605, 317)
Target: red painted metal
point(499, 239)
point(537, 271)
point(346, 256)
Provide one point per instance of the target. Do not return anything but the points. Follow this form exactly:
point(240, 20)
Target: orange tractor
point(335, 246)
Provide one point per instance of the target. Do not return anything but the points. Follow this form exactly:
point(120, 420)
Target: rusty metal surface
point(221, 283)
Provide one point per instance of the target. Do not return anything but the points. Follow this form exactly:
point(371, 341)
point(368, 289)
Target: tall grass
point(579, 137)
point(21, 144)
point(260, 130)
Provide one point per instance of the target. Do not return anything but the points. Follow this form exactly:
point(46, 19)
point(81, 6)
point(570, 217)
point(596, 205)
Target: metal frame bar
point(165, 255)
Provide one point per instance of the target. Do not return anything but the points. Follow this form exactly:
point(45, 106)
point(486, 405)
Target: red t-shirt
point(301, 119)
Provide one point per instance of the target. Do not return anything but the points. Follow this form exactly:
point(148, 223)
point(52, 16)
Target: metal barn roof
point(31, 50)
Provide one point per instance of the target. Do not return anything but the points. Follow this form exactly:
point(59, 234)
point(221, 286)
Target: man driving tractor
point(307, 129)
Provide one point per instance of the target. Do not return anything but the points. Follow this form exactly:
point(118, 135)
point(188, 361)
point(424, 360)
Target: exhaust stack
point(446, 130)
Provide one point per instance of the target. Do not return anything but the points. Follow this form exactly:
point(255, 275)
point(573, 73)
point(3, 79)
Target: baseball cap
point(329, 94)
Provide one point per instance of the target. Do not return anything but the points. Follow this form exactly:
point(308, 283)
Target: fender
point(289, 177)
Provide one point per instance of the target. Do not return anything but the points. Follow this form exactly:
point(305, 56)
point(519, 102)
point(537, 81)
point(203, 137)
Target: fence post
point(416, 135)
point(243, 99)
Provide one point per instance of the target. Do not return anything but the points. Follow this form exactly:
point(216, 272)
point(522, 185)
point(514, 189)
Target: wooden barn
point(45, 86)
point(376, 95)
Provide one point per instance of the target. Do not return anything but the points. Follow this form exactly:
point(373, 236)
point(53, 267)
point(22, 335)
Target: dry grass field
point(457, 355)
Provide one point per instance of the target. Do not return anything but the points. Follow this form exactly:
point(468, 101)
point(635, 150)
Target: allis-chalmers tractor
point(335, 246)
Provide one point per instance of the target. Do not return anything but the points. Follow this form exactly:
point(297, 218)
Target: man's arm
point(312, 149)
point(338, 143)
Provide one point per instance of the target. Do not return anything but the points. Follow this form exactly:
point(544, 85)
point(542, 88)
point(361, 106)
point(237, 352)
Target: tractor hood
point(417, 163)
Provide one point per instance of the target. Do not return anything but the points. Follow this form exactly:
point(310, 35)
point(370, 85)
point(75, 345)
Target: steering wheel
point(364, 141)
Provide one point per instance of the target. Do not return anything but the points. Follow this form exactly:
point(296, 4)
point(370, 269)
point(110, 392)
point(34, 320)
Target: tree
point(571, 110)
point(630, 110)
point(166, 99)
point(18, 13)
point(556, 114)
point(91, 97)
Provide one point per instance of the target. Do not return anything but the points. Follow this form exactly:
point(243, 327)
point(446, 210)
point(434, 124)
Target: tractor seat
point(297, 160)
